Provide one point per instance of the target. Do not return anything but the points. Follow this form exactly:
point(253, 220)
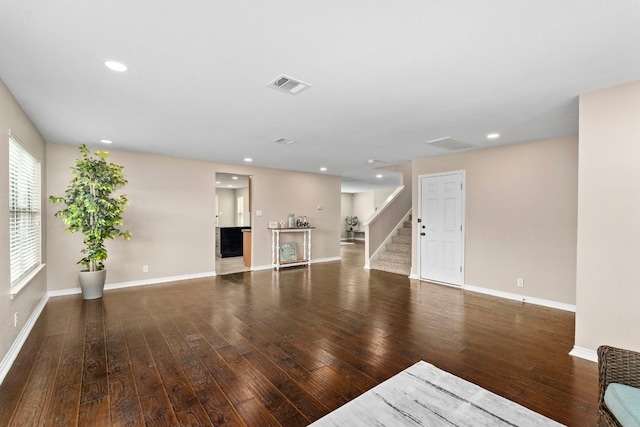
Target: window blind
point(24, 211)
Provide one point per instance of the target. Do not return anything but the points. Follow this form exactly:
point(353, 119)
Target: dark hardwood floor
point(268, 348)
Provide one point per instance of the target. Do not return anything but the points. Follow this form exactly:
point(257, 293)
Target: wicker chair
point(615, 365)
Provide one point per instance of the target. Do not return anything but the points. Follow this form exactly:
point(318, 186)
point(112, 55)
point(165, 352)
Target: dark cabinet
point(231, 241)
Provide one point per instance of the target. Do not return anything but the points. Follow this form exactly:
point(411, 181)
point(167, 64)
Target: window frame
point(25, 214)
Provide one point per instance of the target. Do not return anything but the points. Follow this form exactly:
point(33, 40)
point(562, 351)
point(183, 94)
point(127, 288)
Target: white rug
point(423, 395)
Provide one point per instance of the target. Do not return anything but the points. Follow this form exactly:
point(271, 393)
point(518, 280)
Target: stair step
point(398, 248)
point(396, 257)
point(404, 232)
point(407, 224)
point(391, 267)
point(402, 240)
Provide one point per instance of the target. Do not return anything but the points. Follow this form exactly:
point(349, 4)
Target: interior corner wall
point(521, 216)
point(13, 118)
point(608, 290)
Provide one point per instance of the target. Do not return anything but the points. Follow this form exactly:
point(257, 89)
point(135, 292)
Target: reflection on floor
point(230, 265)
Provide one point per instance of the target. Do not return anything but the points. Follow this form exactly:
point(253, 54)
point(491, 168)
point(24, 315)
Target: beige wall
point(521, 216)
point(277, 193)
point(380, 196)
point(13, 117)
point(363, 206)
point(172, 215)
point(608, 290)
point(226, 207)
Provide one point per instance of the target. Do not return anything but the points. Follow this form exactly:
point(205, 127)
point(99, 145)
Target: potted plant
point(351, 223)
point(92, 210)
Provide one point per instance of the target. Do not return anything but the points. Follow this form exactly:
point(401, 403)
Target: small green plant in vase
point(351, 223)
point(91, 210)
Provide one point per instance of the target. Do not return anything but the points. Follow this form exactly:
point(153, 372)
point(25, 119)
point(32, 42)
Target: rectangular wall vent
point(288, 84)
point(285, 141)
point(449, 143)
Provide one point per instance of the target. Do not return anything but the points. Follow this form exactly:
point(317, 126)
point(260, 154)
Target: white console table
point(275, 247)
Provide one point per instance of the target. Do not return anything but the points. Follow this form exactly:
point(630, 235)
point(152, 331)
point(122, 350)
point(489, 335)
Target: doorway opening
point(233, 223)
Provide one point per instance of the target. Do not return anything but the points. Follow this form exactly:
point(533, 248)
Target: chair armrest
point(616, 365)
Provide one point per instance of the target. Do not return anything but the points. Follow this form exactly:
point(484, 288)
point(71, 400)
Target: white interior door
point(440, 226)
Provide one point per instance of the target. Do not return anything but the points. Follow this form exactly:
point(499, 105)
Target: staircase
point(395, 257)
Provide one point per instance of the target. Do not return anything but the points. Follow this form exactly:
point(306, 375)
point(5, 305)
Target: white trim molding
point(336, 258)
point(521, 298)
point(584, 353)
point(133, 283)
point(10, 357)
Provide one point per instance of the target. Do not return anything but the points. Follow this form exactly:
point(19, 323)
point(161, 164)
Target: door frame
point(462, 174)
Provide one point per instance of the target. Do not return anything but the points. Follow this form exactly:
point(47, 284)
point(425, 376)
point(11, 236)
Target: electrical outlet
point(520, 283)
point(15, 319)
point(145, 268)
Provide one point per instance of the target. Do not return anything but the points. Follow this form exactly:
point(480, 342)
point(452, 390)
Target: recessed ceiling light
point(493, 136)
point(115, 66)
point(234, 177)
point(379, 175)
point(217, 182)
point(248, 159)
point(323, 169)
point(106, 141)
point(370, 161)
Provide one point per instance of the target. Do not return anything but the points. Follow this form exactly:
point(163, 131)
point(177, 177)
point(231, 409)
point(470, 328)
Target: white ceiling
point(386, 76)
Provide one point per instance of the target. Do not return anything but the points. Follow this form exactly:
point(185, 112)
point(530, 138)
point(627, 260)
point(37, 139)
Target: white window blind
point(24, 211)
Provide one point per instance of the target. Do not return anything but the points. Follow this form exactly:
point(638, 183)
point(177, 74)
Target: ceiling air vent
point(449, 143)
point(285, 141)
point(288, 84)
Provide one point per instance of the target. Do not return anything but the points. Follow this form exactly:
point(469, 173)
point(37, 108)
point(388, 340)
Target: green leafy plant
point(352, 221)
point(89, 206)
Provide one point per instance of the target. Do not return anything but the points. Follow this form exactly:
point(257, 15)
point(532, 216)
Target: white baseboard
point(132, 283)
point(584, 353)
point(521, 298)
point(10, 357)
point(335, 258)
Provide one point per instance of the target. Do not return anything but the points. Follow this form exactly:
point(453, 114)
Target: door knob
point(423, 234)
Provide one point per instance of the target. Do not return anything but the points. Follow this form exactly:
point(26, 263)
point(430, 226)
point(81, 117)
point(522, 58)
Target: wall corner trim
point(10, 357)
point(584, 353)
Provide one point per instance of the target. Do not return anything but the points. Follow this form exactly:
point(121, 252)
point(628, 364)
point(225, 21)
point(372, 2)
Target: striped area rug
point(423, 395)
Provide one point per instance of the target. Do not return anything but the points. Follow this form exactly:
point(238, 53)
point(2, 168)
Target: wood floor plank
point(305, 402)
point(34, 402)
point(152, 394)
point(16, 381)
point(283, 348)
point(95, 413)
point(124, 401)
point(63, 409)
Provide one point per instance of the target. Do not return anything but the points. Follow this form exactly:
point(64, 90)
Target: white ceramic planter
point(92, 283)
